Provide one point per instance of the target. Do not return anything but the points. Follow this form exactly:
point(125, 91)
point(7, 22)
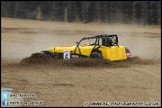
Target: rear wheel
point(96, 55)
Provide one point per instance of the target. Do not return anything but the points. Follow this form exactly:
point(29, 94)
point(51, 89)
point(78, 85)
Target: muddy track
point(75, 81)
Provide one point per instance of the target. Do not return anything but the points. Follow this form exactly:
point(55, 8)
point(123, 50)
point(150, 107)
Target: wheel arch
point(96, 54)
point(96, 50)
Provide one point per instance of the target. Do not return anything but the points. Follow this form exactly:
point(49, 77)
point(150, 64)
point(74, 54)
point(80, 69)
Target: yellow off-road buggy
point(103, 47)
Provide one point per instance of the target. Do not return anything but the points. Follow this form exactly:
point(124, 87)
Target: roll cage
point(113, 38)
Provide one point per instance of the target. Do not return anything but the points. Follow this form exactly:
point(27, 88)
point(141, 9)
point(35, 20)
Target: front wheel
point(96, 55)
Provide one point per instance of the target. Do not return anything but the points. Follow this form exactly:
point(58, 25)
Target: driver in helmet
point(106, 41)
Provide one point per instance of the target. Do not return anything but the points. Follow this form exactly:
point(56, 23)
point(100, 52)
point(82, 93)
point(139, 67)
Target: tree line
point(129, 12)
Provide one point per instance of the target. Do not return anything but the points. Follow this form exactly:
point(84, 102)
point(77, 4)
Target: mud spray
point(43, 59)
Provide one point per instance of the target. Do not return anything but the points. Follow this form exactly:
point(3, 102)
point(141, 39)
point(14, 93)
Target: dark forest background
point(129, 12)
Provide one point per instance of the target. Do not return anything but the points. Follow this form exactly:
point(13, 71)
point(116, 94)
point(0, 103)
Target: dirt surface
point(73, 82)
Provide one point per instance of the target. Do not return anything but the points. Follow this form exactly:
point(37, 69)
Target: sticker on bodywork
point(66, 54)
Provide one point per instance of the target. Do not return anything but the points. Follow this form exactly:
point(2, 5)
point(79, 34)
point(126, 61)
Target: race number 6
point(66, 54)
